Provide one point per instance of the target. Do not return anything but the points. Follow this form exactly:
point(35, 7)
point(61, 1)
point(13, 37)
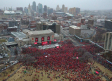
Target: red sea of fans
point(61, 59)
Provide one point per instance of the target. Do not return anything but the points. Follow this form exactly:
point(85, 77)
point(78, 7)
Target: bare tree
point(87, 56)
point(26, 59)
point(11, 68)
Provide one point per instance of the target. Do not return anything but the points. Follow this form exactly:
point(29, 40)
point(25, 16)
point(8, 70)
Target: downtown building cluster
point(34, 9)
point(74, 10)
point(66, 31)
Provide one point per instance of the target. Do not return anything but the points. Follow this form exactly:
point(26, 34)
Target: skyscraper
point(50, 11)
point(66, 9)
point(45, 9)
point(34, 6)
point(57, 8)
point(77, 10)
point(72, 11)
point(37, 8)
point(29, 10)
point(63, 8)
point(40, 8)
point(25, 10)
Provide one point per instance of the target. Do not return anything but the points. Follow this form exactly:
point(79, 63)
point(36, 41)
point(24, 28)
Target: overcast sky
point(83, 4)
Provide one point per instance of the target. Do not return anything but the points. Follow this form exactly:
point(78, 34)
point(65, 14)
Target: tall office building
point(34, 6)
point(63, 8)
point(25, 10)
point(40, 8)
point(77, 10)
point(66, 9)
point(37, 8)
point(50, 10)
point(29, 10)
point(72, 11)
point(45, 9)
point(57, 8)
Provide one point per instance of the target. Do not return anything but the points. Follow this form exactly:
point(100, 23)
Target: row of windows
point(42, 39)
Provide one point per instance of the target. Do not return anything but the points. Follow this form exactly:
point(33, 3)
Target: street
point(66, 33)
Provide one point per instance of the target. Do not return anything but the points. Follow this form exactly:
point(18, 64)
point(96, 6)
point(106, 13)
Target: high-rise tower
point(63, 8)
point(40, 8)
point(45, 9)
point(34, 6)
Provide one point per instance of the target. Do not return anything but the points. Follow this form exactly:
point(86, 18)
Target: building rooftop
point(13, 27)
point(56, 35)
point(24, 40)
point(40, 32)
point(19, 34)
point(26, 31)
point(69, 14)
point(60, 12)
point(109, 20)
point(9, 12)
point(18, 12)
point(75, 27)
point(10, 43)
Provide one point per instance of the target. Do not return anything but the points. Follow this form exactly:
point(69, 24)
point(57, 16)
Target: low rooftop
point(75, 27)
point(49, 31)
point(19, 34)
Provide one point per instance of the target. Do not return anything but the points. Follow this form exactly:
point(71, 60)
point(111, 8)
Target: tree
point(11, 68)
point(87, 56)
point(26, 59)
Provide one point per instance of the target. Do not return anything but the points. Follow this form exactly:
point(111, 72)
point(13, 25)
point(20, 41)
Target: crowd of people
point(67, 57)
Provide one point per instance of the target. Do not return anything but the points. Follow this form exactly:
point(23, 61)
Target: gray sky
point(83, 4)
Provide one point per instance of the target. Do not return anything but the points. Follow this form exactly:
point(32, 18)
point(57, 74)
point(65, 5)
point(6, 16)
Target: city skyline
point(84, 5)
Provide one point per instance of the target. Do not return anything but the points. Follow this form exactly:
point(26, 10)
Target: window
point(48, 38)
point(42, 39)
point(36, 39)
